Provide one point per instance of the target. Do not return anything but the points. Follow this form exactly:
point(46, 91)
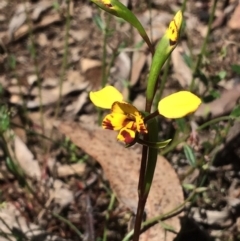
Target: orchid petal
point(125, 108)
point(115, 121)
point(105, 97)
point(128, 133)
point(178, 104)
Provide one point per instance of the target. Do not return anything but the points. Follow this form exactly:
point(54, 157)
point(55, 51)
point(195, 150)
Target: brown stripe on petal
point(106, 124)
point(142, 128)
point(127, 136)
point(107, 3)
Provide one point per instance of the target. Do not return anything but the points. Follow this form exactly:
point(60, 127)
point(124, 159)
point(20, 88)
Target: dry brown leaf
point(39, 8)
point(79, 35)
point(123, 66)
point(73, 169)
point(181, 71)
point(220, 106)
point(18, 18)
point(47, 20)
point(10, 218)
point(86, 64)
point(11, 221)
point(50, 96)
point(234, 21)
point(26, 159)
point(221, 218)
point(121, 167)
point(139, 60)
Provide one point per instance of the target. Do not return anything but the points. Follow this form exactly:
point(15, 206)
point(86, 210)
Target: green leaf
point(188, 60)
point(236, 68)
point(222, 74)
point(168, 227)
point(188, 186)
point(4, 119)
point(100, 24)
point(189, 153)
point(182, 124)
point(236, 111)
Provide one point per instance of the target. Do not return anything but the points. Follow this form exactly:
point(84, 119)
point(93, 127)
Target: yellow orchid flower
point(178, 105)
point(124, 117)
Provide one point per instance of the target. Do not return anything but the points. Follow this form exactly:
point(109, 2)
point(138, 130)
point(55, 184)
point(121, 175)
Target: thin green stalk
point(184, 5)
point(104, 55)
point(204, 45)
point(109, 209)
point(65, 59)
point(34, 56)
point(104, 63)
point(162, 84)
point(70, 225)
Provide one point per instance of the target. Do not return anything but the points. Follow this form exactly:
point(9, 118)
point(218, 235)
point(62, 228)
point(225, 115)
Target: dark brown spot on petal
point(106, 124)
point(172, 42)
point(127, 137)
point(142, 128)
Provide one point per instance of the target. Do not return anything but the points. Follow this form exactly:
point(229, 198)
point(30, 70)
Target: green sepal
point(162, 53)
point(164, 48)
point(117, 9)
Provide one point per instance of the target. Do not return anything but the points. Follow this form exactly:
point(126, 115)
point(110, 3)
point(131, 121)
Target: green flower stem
point(148, 164)
point(152, 156)
point(104, 55)
point(162, 84)
point(204, 45)
point(141, 197)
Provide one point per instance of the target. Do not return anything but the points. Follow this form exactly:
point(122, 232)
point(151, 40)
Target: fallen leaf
point(72, 169)
point(182, 72)
point(49, 96)
point(86, 64)
point(39, 8)
point(18, 18)
point(11, 222)
point(138, 61)
point(221, 218)
point(121, 167)
point(46, 21)
point(234, 20)
point(220, 106)
point(26, 159)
